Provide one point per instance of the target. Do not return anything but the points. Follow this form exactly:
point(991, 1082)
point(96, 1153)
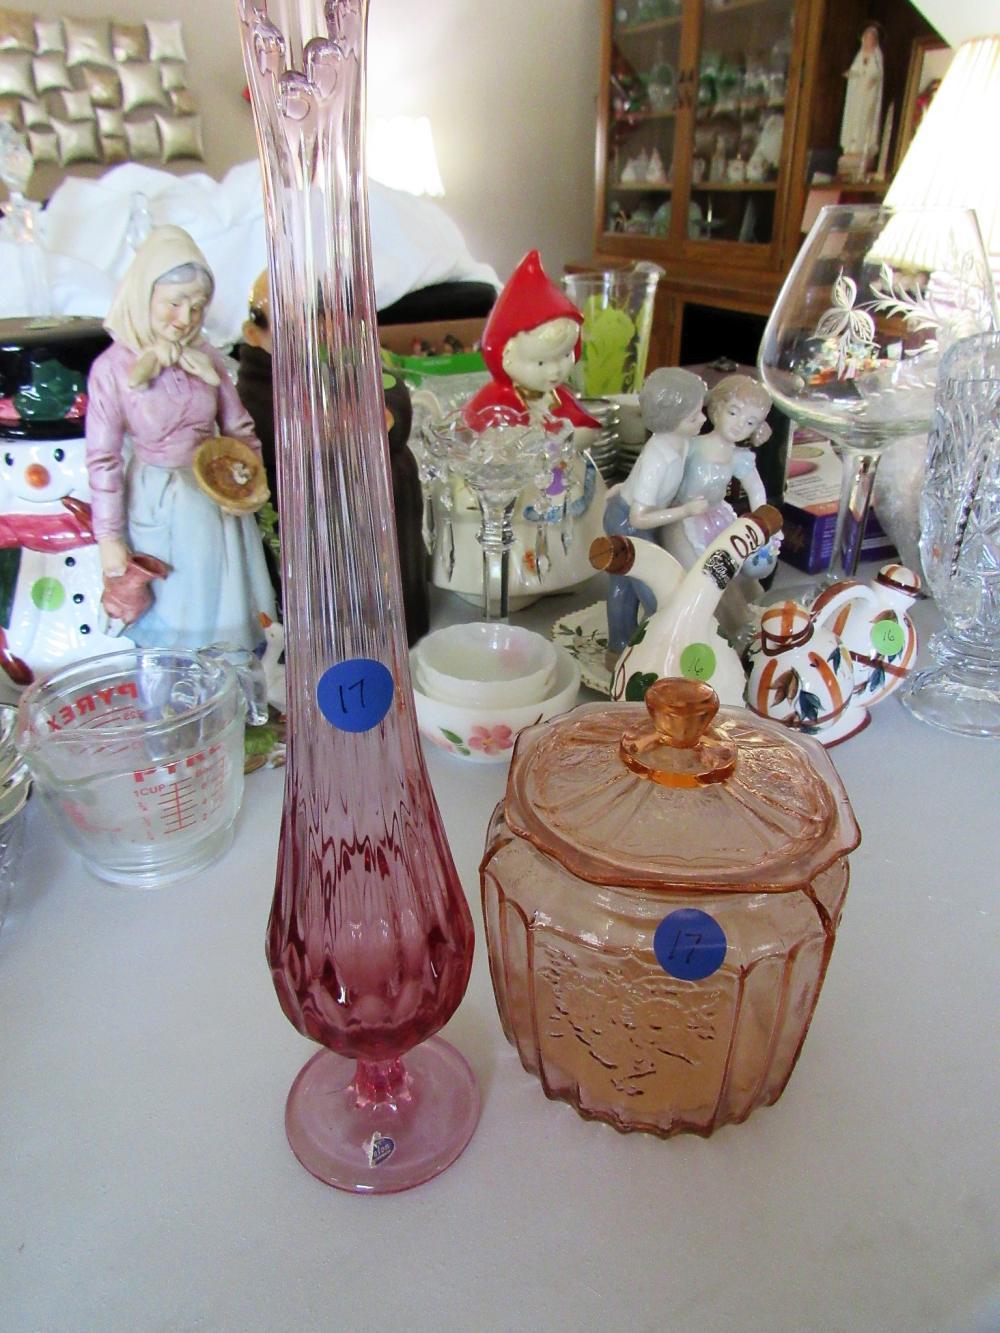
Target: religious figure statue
point(860, 126)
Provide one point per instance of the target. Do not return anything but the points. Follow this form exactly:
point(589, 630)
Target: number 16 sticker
point(355, 695)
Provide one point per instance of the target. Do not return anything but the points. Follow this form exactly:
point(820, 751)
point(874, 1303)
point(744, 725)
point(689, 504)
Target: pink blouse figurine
point(154, 396)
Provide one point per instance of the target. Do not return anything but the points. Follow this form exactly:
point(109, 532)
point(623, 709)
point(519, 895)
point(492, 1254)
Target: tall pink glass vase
point(370, 937)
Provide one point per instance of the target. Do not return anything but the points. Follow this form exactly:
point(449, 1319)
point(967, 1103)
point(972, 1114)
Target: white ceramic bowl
point(485, 665)
point(487, 735)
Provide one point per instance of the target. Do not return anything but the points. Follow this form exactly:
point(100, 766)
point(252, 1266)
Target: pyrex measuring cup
point(139, 756)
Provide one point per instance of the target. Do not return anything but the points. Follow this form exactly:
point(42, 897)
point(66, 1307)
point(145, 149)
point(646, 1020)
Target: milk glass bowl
point(486, 664)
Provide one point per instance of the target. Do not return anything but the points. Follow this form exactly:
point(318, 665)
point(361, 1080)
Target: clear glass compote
point(498, 458)
point(22, 220)
point(960, 544)
point(852, 349)
point(370, 937)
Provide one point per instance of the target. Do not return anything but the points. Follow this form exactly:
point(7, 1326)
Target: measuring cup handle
point(250, 674)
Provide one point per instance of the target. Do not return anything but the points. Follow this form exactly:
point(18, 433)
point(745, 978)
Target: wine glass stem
point(852, 516)
point(496, 537)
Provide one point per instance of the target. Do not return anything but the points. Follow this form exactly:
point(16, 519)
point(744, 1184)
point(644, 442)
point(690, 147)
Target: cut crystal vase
point(960, 544)
point(370, 937)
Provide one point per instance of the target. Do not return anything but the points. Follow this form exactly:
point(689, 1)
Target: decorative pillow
point(17, 31)
point(182, 101)
point(181, 137)
point(143, 139)
point(15, 75)
point(77, 141)
point(49, 36)
point(141, 86)
point(44, 145)
point(166, 40)
point(110, 124)
point(88, 42)
point(35, 116)
point(50, 72)
point(173, 75)
point(78, 106)
point(102, 85)
point(114, 149)
point(129, 42)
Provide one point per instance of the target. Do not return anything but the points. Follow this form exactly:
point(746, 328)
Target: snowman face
point(41, 472)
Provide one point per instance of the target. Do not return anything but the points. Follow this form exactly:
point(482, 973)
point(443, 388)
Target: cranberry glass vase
point(370, 937)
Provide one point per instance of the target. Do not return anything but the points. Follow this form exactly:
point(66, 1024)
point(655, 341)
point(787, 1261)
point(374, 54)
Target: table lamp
point(401, 154)
point(950, 163)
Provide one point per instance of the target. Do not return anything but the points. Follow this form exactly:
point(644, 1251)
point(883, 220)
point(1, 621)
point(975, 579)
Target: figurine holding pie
point(158, 396)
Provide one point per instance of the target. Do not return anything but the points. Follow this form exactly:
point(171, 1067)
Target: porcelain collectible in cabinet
point(802, 675)
point(872, 620)
point(661, 893)
point(682, 637)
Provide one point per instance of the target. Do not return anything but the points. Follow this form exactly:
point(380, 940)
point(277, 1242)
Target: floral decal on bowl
point(485, 740)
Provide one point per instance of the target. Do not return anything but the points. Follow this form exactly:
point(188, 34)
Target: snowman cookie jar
point(661, 892)
point(50, 573)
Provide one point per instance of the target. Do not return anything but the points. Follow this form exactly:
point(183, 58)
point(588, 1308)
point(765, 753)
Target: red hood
point(530, 298)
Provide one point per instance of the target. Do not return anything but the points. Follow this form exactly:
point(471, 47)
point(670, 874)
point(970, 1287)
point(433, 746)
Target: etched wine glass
point(370, 936)
point(852, 348)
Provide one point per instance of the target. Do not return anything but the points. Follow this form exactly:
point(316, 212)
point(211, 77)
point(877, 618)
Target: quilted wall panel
point(98, 91)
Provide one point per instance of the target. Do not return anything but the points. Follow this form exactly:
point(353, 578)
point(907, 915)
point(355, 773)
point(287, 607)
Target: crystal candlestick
point(497, 459)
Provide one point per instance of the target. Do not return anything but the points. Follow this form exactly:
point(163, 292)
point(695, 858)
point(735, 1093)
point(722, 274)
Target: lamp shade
point(401, 154)
point(952, 161)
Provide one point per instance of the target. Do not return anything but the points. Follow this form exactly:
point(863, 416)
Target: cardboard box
point(812, 494)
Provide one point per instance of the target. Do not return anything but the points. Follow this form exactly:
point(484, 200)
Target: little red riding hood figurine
point(530, 345)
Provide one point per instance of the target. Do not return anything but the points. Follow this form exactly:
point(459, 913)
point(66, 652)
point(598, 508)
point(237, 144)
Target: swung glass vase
point(370, 937)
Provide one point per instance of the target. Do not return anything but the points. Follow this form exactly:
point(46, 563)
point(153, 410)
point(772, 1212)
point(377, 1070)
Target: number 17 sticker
point(689, 944)
point(355, 695)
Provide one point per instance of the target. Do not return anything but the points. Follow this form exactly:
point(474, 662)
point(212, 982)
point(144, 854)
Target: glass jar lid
point(655, 795)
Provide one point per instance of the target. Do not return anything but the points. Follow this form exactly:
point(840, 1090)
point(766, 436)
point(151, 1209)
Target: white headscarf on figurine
point(168, 255)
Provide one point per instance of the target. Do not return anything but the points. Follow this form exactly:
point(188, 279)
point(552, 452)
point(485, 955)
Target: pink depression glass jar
point(661, 897)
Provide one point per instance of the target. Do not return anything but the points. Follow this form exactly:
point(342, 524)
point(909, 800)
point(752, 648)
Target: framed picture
point(929, 59)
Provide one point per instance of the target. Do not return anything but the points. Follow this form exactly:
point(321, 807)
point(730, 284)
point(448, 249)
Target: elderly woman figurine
point(154, 396)
point(737, 407)
point(670, 402)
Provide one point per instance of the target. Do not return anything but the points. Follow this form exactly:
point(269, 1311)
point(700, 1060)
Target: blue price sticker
point(689, 944)
point(355, 695)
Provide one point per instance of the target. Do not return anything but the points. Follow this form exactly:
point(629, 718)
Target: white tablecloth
point(146, 1182)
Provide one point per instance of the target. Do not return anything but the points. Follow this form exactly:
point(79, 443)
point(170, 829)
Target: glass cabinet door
point(642, 137)
point(739, 118)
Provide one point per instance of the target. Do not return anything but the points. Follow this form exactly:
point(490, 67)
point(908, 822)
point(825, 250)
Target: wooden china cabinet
point(713, 120)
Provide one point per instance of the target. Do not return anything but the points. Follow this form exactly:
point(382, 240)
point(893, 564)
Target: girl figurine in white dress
point(670, 403)
point(737, 407)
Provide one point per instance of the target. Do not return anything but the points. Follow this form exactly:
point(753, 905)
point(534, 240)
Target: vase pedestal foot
point(966, 703)
point(388, 1146)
